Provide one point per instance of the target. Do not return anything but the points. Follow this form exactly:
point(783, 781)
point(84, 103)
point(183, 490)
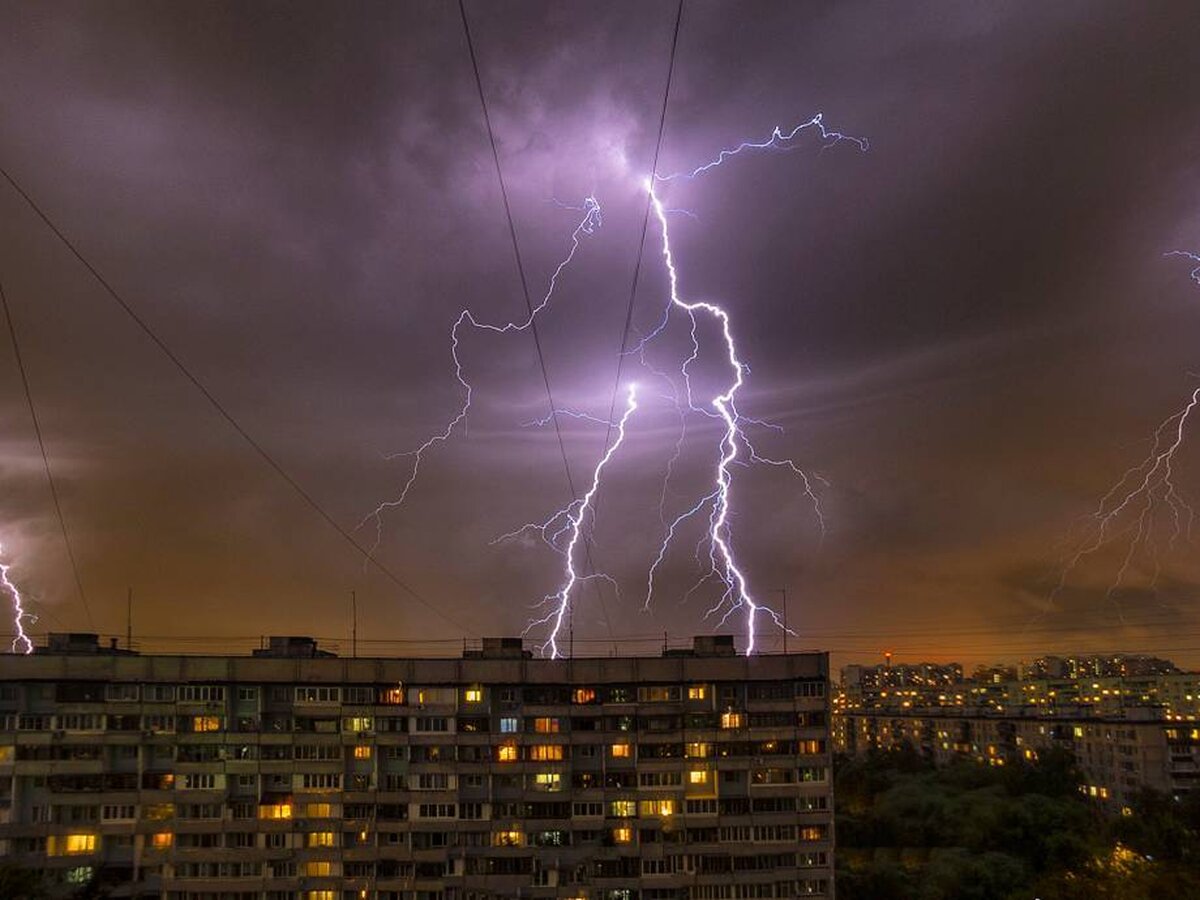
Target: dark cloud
point(966, 331)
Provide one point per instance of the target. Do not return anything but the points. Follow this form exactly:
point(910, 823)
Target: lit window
point(733, 720)
point(698, 751)
point(622, 751)
point(206, 723)
point(584, 695)
point(473, 695)
point(697, 691)
point(546, 752)
point(318, 868)
point(698, 776)
point(547, 781)
point(162, 840)
point(359, 724)
point(512, 838)
point(623, 808)
point(622, 834)
point(318, 810)
point(658, 807)
point(320, 839)
point(321, 895)
point(392, 696)
point(275, 811)
point(362, 752)
point(70, 844)
point(506, 753)
point(509, 725)
point(546, 726)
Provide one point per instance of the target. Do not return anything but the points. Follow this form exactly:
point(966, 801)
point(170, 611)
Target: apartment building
point(296, 775)
point(1118, 755)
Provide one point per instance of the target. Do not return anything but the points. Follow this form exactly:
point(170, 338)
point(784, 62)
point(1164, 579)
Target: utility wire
point(637, 268)
point(537, 341)
point(258, 448)
point(37, 430)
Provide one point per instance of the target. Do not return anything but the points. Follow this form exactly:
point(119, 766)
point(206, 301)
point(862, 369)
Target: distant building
point(1117, 755)
point(295, 775)
point(1112, 666)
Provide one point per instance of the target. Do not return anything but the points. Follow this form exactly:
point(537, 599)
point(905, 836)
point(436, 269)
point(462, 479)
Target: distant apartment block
point(296, 775)
point(1117, 755)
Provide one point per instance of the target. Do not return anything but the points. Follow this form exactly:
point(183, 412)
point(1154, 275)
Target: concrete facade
point(697, 775)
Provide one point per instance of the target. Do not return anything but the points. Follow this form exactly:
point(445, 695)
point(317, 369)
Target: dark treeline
point(908, 831)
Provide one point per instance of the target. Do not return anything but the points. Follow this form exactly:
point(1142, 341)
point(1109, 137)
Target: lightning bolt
point(564, 529)
point(777, 139)
point(19, 614)
point(1194, 257)
point(588, 224)
point(561, 600)
point(1130, 506)
point(736, 594)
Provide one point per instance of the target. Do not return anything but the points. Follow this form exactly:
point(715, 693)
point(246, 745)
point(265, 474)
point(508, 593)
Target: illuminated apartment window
point(511, 838)
point(318, 810)
point(473, 695)
point(275, 811)
point(698, 776)
point(547, 781)
point(624, 809)
point(658, 807)
point(206, 723)
point(510, 725)
point(622, 751)
point(319, 839)
point(546, 726)
point(698, 751)
point(583, 695)
point(393, 696)
point(70, 844)
point(318, 869)
point(162, 840)
point(507, 753)
point(362, 752)
point(546, 752)
point(733, 720)
point(158, 811)
point(698, 692)
point(321, 895)
point(622, 834)
point(357, 724)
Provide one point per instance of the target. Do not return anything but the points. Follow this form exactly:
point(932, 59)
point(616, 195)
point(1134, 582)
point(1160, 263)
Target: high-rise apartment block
point(299, 775)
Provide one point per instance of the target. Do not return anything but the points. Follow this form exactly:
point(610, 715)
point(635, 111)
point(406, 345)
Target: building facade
point(1118, 755)
point(292, 775)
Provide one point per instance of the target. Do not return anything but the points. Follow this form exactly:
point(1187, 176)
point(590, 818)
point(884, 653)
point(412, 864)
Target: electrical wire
point(216, 404)
point(37, 430)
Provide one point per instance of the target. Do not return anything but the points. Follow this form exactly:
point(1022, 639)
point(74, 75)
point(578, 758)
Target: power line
point(258, 448)
point(537, 341)
point(37, 430)
point(637, 268)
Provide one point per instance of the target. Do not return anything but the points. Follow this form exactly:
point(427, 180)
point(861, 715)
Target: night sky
point(969, 331)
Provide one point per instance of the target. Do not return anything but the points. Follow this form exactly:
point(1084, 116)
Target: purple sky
point(969, 332)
